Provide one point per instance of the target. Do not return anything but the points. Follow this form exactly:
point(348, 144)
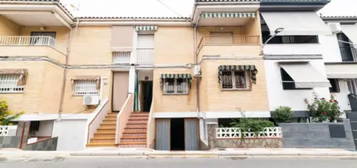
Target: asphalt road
point(112, 162)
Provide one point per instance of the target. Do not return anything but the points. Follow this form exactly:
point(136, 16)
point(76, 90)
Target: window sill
point(243, 89)
point(175, 94)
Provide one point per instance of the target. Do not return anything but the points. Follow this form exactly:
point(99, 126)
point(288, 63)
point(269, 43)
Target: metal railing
point(27, 41)
point(228, 133)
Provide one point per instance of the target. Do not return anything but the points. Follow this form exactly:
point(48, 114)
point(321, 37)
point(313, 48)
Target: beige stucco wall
point(173, 103)
point(8, 28)
point(74, 104)
point(213, 99)
point(91, 45)
point(174, 45)
point(42, 89)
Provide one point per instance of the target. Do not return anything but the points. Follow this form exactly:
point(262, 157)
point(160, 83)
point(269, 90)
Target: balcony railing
point(145, 56)
point(27, 41)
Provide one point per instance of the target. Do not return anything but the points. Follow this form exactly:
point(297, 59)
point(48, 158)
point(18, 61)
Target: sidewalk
point(15, 154)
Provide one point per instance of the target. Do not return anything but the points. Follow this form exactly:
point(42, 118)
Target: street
point(115, 162)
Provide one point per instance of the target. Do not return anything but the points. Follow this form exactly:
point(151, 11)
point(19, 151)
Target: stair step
point(134, 135)
point(104, 137)
point(137, 126)
point(137, 123)
point(109, 123)
point(107, 128)
point(100, 144)
point(132, 143)
point(102, 141)
point(137, 119)
point(135, 131)
point(139, 114)
point(133, 140)
point(105, 132)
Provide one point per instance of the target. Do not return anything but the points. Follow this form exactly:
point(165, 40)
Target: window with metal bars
point(9, 83)
point(85, 87)
point(176, 86)
point(237, 80)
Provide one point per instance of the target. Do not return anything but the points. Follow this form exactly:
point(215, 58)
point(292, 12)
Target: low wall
point(318, 135)
point(239, 142)
point(9, 141)
point(44, 145)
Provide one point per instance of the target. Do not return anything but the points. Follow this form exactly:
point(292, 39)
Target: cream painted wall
point(174, 45)
point(173, 103)
point(42, 89)
point(74, 104)
point(213, 99)
point(91, 45)
point(8, 28)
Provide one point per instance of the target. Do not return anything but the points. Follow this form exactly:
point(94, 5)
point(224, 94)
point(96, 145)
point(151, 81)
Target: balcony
point(234, 47)
point(30, 46)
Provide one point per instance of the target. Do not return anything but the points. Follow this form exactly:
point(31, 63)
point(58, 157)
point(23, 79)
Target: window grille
point(9, 83)
point(85, 87)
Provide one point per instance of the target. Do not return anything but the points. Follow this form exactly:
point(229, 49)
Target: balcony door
point(39, 38)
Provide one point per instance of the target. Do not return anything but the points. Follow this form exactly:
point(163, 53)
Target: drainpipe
point(64, 80)
point(198, 107)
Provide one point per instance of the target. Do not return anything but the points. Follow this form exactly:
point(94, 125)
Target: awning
point(207, 15)
point(88, 78)
point(341, 71)
point(250, 68)
point(22, 72)
point(295, 23)
point(176, 76)
point(305, 75)
point(146, 28)
point(351, 32)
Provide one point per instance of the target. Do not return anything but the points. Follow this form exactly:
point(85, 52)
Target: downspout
point(64, 80)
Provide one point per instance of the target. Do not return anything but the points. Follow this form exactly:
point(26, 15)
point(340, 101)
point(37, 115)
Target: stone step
point(132, 140)
point(110, 120)
point(139, 114)
point(108, 127)
point(137, 119)
point(133, 135)
point(137, 126)
point(106, 132)
point(132, 146)
point(104, 137)
point(101, 144)
point(132, 143)
point(102, 141)
point(135, 131)
point(137, 123)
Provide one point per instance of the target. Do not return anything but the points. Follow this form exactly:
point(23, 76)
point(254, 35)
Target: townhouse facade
point(159, 82)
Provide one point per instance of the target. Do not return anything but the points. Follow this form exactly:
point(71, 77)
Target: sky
point(175, 7)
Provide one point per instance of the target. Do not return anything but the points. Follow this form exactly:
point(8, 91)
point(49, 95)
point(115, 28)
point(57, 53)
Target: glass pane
point(227, 80)
point(181, 85)
point(169, 86)
point(240, 79)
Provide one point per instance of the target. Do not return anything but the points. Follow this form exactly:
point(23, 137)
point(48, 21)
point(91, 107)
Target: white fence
point(269, 132)
point(27, 41)
point(6, 130)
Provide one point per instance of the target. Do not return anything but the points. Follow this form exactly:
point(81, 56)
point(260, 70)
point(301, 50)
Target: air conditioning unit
point(335, 27)
point(90, 100)
point(197, 71)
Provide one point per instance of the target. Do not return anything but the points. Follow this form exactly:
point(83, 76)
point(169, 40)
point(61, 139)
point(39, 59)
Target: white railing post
point(27, 41)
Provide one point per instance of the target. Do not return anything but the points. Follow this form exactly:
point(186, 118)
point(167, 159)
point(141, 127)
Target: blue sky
point(178, 7)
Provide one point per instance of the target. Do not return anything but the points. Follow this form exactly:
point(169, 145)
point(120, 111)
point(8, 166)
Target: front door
point(146, 96)
point(120, 89)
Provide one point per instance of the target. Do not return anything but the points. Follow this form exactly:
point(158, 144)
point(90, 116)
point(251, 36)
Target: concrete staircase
point(105, 134)
point(134, 134)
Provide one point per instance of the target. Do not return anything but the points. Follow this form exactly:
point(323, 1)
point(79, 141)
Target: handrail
point(96, 118)
point(27, 41)
point(150, 126)
point(123, 117)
